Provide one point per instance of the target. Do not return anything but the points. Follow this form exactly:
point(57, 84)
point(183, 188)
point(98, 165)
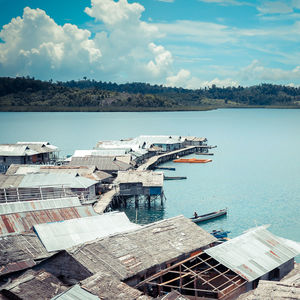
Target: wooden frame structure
point(195, 277)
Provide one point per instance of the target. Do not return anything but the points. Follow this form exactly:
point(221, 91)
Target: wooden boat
point(174, 177)
point(191, 160)
point(209, 216)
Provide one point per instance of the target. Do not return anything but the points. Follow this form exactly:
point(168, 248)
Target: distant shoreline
point(135, 109)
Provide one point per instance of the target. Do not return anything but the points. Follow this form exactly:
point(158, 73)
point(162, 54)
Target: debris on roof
point(107, 287)
point(128, 253)
point(33, 285)
point(20, 251)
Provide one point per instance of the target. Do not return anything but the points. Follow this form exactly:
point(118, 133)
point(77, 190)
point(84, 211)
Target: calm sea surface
point(255, 171)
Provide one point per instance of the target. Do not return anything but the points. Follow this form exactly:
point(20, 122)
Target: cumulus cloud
point(123, 50)
point(181, 79)
point(184, 79)
point(35, 44)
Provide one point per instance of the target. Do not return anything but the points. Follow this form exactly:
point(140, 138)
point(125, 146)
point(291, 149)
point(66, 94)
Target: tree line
point(26, 93)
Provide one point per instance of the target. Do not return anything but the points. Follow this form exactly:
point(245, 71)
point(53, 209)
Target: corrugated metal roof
point(64, 235)
point(19, 251)
point(106, 286)
point(254, 253)
point(10, 181)
point(49, 179)
point(90, 172)
point(16, 207)
point(40, 147)
point(100, 152)
point(75, 292)
point(150, 140)
point(16, 150)
point(17, 266)
point(129, 253)
point(103, 163)
point(24, 221)
point(147, 178)
point(33, 285)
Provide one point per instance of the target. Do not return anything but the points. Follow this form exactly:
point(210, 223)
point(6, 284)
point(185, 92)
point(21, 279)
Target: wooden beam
point(199, 276)
point(231, 280)
point(191, 289)
point(224, 275)
point(233, 289)
point(155, 276)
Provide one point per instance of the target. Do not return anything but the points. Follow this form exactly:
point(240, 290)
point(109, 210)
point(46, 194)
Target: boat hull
point(210, 216)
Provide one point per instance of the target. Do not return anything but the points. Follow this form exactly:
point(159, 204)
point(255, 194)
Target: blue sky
point(187, 43)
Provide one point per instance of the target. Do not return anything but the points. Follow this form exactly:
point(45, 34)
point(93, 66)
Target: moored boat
point(220, 234)
point(212, 215)
point(191, 160)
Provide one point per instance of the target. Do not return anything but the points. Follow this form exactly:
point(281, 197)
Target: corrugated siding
point(254, 253)
point(17, 207)
point(64, 235)
point(24, 221)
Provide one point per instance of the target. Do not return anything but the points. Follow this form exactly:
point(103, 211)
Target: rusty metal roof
point(20, 251)
point(17, 266)
point(24, 221)
point(254, 253)
point(16, 207)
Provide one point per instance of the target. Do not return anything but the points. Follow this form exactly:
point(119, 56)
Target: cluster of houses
point(58, 240)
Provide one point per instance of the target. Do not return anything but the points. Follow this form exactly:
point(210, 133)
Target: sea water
point(255, 170)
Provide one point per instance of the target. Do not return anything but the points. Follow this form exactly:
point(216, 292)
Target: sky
point(182, 43)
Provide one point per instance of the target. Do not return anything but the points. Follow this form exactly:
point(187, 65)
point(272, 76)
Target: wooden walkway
point(105, 201)
point(158, 159)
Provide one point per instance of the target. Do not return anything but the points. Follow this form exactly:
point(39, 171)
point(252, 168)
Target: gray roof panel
point(63, 235)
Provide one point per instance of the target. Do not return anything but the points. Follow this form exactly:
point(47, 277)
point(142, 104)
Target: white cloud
point(180, 79)
point(35, 44)
point(195, 31)
point(275, 7)
point(226, 2)
point(256, 71)
point(122, 50)
point(184, 79)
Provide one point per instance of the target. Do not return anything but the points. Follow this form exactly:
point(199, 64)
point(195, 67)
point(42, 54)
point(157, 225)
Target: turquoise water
point(255, 171)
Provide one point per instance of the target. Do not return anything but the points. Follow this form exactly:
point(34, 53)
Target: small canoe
point(209, 216)
point(191, 160)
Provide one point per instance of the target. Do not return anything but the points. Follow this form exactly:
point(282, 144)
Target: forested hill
point(28, 94)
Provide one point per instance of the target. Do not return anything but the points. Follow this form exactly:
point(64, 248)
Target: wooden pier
point(159, 159)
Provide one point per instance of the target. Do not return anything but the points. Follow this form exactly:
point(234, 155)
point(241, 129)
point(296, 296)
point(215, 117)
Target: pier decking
point(158, 159)
point(105, 201)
